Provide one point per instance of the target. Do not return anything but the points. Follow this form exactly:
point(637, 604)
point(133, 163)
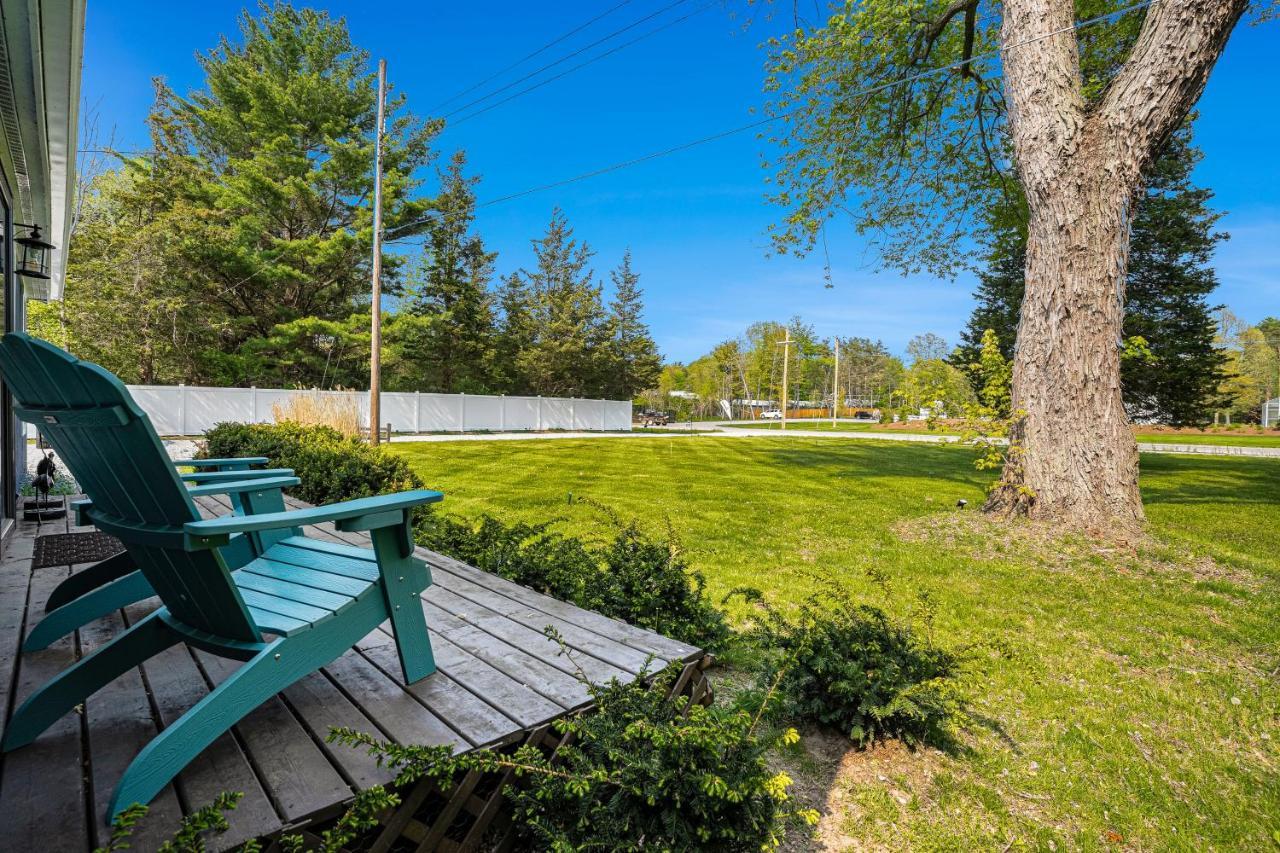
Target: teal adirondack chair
point(115, 583)
point(297, 607)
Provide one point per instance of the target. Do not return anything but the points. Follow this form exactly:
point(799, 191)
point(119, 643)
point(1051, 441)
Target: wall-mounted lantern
point(34, 259)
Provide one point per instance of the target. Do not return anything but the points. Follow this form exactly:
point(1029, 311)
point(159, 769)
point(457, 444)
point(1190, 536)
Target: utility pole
point(835, 387)
point(375, 349)
point(785, 343)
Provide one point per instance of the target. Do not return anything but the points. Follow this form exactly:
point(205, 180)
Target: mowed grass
point(1238, 438)
point(1137, 706)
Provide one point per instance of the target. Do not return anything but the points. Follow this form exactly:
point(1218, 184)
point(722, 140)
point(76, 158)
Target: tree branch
point(1164, 75)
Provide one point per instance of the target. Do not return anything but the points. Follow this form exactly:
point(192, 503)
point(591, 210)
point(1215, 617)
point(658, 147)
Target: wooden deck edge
point(472, 813)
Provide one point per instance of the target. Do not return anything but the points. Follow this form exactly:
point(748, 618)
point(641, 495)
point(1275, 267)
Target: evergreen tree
point(1174, 373)
point(259, 186)
point(515, 335)
point(452, 288)
point(999, 295)
point(633, 362)
point(1170, 278)
point(566, 356)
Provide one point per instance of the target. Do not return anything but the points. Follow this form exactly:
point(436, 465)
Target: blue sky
point(695, 221)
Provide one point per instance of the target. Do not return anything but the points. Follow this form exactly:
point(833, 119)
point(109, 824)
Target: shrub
point(640, 772)
point(632, 576)
point(332, 467)
point(849, 665)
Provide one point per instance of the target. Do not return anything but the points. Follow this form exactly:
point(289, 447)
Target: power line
point(582, 65)
point(495, 75)
point(771, 119)
point(565, 58)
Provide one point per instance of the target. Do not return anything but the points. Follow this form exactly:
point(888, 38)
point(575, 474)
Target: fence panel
point(192, 410)
point(440, 413)
point(617, 414)
point(521, 413)
point(398, 408)
point(483, 412)
point(557, 413)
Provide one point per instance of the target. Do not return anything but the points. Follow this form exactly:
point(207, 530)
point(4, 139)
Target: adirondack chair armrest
point(372, 513)
point(223, 487)
point(229, 463)
point(200, 478)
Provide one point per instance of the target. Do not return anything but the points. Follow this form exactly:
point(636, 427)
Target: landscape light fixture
point(34, 262)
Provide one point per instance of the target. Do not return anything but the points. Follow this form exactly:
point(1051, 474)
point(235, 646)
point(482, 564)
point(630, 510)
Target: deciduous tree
point(918, 156)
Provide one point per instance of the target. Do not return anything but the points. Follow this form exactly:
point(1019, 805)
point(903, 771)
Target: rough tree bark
point(1075, 459)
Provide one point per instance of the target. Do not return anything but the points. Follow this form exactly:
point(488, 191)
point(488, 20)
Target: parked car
point(864, 415)
point(772, 415)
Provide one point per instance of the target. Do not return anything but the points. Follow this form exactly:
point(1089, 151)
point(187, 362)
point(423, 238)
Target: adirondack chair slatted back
point(110, 447)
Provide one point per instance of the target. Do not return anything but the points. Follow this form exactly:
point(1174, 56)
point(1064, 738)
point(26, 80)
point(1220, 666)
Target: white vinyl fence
point(191, 409)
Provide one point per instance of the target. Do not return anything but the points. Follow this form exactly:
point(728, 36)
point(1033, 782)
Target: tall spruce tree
point(451, 287)
point(566, 355)
point(632, 362)
point(1175, 378)
point(271, 215)
point(515, 335)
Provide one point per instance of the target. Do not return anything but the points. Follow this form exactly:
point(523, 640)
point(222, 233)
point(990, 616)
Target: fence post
point(253, 404)
point(573, 413)
point(462, 413)
point(182, 408)
point(502, 413)
point(539, 418)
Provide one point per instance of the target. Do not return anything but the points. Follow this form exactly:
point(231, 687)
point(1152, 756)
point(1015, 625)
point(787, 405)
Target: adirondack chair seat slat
point(283, 604)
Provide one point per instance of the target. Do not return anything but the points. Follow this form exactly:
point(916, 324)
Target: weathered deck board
point(499, 677)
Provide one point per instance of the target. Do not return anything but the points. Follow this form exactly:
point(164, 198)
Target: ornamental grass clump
point(851, 666)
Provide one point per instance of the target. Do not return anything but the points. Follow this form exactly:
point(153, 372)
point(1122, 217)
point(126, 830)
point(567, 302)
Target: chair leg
point(409, 624)
point(92, 605)
point(75, 684)
point(282, 662)
point(90, 578)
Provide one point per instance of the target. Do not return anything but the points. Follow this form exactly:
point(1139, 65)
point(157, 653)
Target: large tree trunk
point(1074, 458)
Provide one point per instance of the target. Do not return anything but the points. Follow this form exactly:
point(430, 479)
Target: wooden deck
point(499, 678)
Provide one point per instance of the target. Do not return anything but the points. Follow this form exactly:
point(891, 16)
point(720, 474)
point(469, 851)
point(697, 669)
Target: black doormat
point(67, 549)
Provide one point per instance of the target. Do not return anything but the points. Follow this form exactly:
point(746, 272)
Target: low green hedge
point(633, 576)
point(332, 468)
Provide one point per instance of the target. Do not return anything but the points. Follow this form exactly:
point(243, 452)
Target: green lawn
point(838, 426)
point(1237, 438)
point(1139, 706)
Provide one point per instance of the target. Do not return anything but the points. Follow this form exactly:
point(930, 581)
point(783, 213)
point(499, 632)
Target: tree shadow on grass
point(1173, 479)
point(879, 462)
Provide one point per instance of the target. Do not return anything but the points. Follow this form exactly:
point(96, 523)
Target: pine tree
point(1170, 277)
point(1175, 377)
point(271, 220)
point(998, 297)
point(566, 354)
point(633, 363)
point(515, 335)
point(451, 287)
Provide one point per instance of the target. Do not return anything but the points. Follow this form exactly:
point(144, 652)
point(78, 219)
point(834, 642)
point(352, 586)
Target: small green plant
point(631, 576)
point(332, 467)
point(851, 666)
point(640, 772)
point(191, 832)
